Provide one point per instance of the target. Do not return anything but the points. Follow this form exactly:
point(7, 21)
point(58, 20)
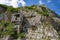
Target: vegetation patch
point(22, 35)
point(6, 28)
point(30, 8)
point(9, 8)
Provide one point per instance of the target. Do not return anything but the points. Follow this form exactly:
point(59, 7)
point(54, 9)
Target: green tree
point(9, 9)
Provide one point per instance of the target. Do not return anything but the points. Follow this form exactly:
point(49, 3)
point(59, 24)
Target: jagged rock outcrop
point(44, 31)
point(37, 23)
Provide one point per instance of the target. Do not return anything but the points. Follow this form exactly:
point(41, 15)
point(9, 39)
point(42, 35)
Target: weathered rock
point(42, 32)
point(36, 26)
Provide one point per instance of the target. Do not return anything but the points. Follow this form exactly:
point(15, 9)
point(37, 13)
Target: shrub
point(7, 27)
point(22, 35)
point(3, 6)
point(9, 9)
point(45, 14)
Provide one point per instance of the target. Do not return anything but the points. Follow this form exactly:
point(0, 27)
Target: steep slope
point(42, 24)
point(36, 23)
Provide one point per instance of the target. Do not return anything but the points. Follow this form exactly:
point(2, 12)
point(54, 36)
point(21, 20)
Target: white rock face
point(42, 32)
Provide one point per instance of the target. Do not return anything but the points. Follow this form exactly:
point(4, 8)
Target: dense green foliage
point(9, 8)
point(4, 6)
point(30, 8)
point(6, 28)
point(15, 35)
point(44, 11)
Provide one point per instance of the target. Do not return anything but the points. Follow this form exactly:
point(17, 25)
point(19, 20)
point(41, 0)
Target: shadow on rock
point(55, 25)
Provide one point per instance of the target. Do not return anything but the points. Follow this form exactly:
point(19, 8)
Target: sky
point(52, 4)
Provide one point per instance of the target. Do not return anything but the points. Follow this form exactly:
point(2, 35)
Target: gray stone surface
point(42, 32)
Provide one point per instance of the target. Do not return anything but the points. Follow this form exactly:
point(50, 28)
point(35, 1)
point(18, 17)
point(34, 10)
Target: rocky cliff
point(35, 23)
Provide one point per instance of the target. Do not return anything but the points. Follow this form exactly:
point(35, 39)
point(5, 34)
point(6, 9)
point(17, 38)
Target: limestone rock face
point(44, 30)
point(36, 22)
